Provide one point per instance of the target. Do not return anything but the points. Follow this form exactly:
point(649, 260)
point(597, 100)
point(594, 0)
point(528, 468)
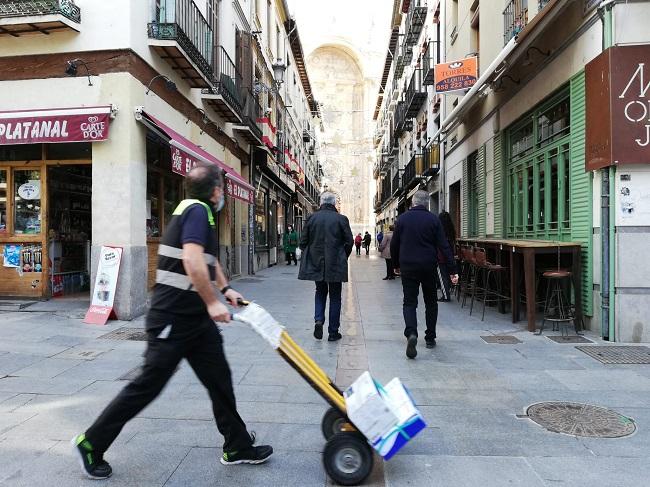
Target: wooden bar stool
point(490, 279)
point(470, 274)
point(557, 307)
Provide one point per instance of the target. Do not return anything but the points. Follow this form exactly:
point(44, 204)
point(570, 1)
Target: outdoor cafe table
point(529, 249)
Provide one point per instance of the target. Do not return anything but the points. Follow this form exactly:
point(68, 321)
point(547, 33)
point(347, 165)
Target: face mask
point(219, 205)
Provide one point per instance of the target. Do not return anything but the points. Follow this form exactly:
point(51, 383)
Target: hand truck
point(348, 457)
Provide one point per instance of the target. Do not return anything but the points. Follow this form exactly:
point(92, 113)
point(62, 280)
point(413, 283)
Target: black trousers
point(291, 256)
point(411, 282)
point(390, 271)
point(202, 346)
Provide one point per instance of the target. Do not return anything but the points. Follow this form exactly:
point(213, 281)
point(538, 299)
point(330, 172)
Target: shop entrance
point(69, 228)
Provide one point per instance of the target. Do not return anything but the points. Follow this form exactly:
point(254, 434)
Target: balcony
point(248, 128)
point(181, 36)
point(386, 190)
point(226, 96)
point(429, 60)
point(415, 21)
point(20, 17)
point(402, 122)
point(413, 171)
point(397, 187)
point(515, 17)
point(431, 160)
point(416, 94)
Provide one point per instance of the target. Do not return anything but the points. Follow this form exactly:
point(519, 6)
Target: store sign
point(52, 126)
point(108, 269)
point(31, 190)
point(618, 107)
point(236, 190)
point(457, 75)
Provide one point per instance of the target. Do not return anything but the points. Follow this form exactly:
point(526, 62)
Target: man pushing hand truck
point(181, 325)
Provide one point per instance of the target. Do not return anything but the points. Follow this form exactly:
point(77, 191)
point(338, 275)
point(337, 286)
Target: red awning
point(186, 154)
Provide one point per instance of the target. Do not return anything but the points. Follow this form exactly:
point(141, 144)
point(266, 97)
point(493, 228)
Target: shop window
point(553, 123)
point(72, 151)
point(26, 152)
point(153, 204)
point(3, 201)
point(164, 188)
point(261, 238)
point(27, 198)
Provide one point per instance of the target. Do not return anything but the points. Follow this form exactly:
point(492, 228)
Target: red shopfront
point(45, 198)
point(170, 156)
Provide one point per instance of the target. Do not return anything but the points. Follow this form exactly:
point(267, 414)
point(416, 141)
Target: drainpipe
point(606, 208)
point(251, 217)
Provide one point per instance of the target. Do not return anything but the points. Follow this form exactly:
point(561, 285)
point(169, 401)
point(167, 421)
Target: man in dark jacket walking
point(414, 248)
point(326, 244)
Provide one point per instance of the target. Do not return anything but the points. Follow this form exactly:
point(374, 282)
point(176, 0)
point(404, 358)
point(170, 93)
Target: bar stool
point(470, 273)
point(491, 288)
point(557, 307)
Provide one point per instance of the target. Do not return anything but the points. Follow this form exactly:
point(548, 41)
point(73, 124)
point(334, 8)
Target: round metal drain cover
point(577, 419)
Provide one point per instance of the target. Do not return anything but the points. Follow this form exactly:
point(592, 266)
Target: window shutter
point(499, 190)
point(480, 174)
point(464, 213)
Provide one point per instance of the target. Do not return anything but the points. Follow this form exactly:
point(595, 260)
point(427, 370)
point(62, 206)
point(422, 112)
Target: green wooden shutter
point(499, 190)
point(480, 174)
point(464, 214)
point(581, 190)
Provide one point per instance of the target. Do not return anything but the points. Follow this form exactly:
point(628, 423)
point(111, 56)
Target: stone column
point(119, 201)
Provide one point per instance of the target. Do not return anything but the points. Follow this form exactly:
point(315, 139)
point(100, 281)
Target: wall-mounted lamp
point(529, 59)
point(169, 84)
point(72, 66)
point(278, 71)
point(498, 85)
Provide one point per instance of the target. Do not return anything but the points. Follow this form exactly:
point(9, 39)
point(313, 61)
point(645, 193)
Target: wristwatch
point(225, 289)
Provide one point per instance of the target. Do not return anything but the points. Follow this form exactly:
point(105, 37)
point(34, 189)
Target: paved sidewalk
point(56, 375)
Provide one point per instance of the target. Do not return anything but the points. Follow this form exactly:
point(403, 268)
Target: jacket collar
point(327, 206)
point(418, 208)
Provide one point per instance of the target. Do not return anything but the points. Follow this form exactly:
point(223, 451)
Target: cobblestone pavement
point(56, 374)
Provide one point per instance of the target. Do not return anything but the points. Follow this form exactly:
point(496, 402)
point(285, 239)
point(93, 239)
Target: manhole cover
point(618, 355)
point(577, 419)
point(568, 339)
point(504, 339)
point(135, 334)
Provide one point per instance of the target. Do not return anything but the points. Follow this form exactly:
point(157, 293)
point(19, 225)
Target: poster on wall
point(103, 295)
point(11, 256)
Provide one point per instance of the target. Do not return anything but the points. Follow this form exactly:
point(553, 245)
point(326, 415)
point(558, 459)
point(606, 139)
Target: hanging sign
point(31, 190)
point(55, 125)
point(108, 269)
point(457, 75)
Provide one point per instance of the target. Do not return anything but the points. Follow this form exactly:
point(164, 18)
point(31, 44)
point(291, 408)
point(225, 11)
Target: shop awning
point(186, 154)
point(55, 125)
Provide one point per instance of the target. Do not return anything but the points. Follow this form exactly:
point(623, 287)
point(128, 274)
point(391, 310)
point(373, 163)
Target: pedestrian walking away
point(358, 240)
point(445, 268)
point(367, 239)
point(290, 244)
point(181, 324)
point(326, 244)
point(384, 250)
point(379, 238)
point(414, 249)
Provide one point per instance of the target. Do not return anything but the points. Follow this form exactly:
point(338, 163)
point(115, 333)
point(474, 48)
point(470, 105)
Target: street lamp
point(278, 71)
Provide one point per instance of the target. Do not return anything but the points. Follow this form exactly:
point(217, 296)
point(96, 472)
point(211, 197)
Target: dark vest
point(173, 292)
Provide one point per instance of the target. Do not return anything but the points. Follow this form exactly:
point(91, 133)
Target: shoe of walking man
point(414, 247)
point(326, 243)
point(181, 325)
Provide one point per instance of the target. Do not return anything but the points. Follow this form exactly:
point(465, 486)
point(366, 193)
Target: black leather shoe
point(431, 343)
point(318, 330)
point(334, 337)
point(411, 342)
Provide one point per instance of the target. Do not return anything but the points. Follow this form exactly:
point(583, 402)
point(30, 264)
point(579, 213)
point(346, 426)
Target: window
point(278, 41)
point(260, 219)
point(3, 201)
point(71, 151)
point(472, 197)
point(27, 201)
point(26, 152)
point(539, 171)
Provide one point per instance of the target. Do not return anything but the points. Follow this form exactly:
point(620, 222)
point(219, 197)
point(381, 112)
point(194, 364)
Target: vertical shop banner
point(457, 75)
point(108, 269)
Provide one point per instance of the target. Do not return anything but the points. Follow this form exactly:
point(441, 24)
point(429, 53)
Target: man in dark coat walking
point(414, 249)
point(326, 244)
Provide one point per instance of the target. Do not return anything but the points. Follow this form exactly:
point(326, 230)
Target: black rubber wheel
point(348, 458)
point(332, 422)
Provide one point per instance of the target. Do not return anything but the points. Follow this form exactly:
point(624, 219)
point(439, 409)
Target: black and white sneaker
point(253, 455)
point(93, 464)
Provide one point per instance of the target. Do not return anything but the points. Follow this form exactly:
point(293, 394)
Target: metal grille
point(135, 334)
point(580, 420)
point(503, 339)
point(607, 354)
point(568, 339)
point(19, 8)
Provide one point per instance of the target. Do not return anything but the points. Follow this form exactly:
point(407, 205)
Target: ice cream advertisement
point(103, 296)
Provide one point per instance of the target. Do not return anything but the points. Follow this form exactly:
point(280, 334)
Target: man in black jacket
point(414, 249)
point(326, 244)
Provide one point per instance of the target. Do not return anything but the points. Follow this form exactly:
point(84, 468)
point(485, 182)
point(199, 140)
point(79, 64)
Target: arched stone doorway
point(339, 87)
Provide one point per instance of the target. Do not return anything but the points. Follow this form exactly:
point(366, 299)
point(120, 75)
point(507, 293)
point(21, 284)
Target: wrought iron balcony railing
point(415, 21)
point(229, 82)
point(431, 160)
point(430, 58)
point(183, 22)
point(416, 94)
point(25, 8)
point(515, 17)
point(397, 183)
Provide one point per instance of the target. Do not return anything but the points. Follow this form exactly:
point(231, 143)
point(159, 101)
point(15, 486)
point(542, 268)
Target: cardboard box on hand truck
point(387, 416)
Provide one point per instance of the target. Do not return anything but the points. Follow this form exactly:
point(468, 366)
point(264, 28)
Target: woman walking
point(384, 249)
point(357, 243)
point(290, 245)
point(366, 242)
point(445, 267)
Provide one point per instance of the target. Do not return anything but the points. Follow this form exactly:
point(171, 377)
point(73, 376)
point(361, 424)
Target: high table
point(529, 249)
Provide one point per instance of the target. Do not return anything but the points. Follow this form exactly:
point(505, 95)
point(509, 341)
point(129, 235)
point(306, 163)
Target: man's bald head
point(201, 181)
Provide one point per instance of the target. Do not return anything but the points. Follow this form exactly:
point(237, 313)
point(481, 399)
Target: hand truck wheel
point(348, 458)
point(332, 423)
